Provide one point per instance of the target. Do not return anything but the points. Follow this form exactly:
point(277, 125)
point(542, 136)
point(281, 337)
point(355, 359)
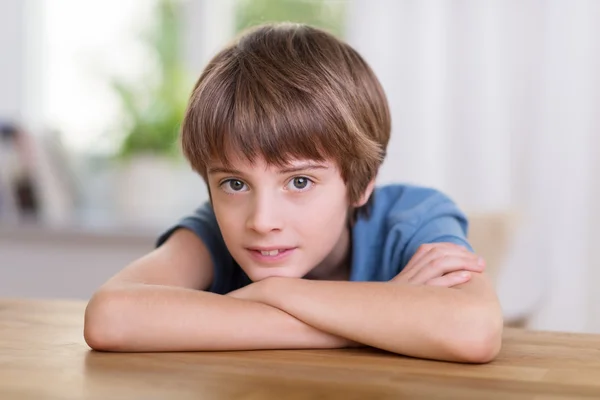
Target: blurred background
point(495, 102)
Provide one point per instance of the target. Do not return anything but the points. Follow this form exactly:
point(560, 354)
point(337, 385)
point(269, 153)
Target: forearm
point(420, 321)
point(140, 317)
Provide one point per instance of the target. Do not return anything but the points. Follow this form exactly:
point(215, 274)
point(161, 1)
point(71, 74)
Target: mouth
point(271, 254)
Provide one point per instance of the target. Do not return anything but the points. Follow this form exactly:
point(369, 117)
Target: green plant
point(327, 14)
point(153, 107)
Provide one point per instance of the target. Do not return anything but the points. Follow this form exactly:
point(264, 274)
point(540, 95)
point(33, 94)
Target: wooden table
point(43, 356)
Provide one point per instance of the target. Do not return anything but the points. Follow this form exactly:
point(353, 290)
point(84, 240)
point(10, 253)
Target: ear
point(366, 194)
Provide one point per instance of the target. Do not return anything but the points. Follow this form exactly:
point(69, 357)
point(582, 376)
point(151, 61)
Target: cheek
point(229, 219)
point(322, 217)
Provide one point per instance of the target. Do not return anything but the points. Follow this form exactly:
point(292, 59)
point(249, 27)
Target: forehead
point(235, 162)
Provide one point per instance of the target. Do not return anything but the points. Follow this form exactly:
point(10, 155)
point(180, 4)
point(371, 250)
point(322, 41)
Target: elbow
point(481, 347)
point(102, 330)
point(479, 338)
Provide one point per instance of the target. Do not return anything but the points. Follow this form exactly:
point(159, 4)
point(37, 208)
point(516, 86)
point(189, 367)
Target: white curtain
point(497, 102)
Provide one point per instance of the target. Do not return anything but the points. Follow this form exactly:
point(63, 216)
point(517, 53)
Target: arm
point(155, 305)
point(461, 323)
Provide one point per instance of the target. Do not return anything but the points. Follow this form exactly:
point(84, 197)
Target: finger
point(434, 253)
point(416, 258)
point(445, 265)
point(429, 248)
point(451, 279)
point(411, 268)
point(450, 263)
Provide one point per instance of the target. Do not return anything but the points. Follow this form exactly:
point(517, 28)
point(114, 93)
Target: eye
point(233, 186)
point(300, 184)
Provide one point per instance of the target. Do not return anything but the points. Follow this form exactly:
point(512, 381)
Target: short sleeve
point(203, 223)
point(442, 222)
point(402, 218)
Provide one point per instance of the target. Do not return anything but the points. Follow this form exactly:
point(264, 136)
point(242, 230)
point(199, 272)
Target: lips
point(270, 254)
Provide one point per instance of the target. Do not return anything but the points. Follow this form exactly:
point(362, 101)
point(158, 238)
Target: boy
point(296, 249)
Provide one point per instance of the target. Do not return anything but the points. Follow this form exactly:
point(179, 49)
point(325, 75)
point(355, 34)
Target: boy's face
point(281, 221)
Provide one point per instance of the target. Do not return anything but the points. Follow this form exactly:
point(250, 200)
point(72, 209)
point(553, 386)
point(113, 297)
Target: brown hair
point(289, 91)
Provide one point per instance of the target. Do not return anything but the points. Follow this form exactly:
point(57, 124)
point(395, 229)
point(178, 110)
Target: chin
point(258, 274)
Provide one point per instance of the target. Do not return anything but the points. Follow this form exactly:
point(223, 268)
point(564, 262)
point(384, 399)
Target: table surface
point(43, 356)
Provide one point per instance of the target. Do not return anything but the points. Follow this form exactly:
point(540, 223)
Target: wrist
point(275, 290)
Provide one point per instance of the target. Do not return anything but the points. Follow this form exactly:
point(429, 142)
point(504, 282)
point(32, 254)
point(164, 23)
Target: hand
point(266, 292)
point(261, 291)
point(250, 292)
point(440, 264)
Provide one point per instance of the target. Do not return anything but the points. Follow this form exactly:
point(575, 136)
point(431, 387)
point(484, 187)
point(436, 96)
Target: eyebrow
point(287, 170)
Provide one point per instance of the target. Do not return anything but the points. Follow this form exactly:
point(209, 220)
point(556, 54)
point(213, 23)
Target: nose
point(264, 215)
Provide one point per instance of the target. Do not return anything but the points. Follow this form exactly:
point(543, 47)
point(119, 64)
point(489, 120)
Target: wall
point(12, 71)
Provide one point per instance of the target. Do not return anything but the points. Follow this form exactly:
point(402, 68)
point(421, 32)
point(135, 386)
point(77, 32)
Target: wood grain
point(43, 356)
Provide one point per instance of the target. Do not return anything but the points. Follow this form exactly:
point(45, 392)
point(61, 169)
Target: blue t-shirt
point(402, 218)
